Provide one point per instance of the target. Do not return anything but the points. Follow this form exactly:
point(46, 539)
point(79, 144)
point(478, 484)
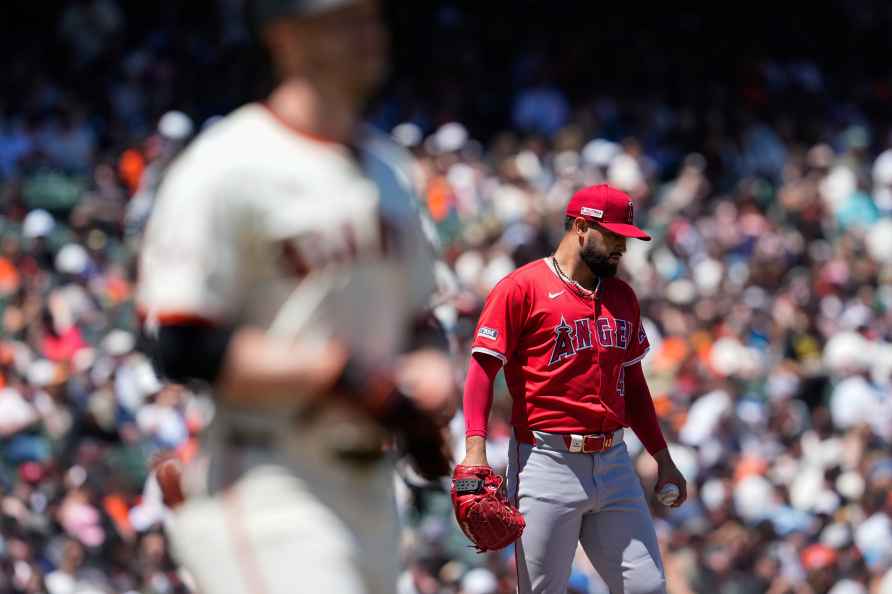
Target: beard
point(599, 264)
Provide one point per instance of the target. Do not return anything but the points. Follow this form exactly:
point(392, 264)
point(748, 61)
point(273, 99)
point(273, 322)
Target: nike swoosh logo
point(553, 295)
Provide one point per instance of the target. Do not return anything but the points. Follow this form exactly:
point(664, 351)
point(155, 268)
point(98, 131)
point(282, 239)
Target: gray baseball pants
point(592, 499)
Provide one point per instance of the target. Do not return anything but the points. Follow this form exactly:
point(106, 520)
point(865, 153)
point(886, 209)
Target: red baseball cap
point(608, 207)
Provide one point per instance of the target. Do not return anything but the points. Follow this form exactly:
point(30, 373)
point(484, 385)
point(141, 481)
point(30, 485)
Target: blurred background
point(756, 146)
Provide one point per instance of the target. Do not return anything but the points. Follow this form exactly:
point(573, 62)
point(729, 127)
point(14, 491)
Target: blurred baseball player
point(569, 335)
point(285, 264)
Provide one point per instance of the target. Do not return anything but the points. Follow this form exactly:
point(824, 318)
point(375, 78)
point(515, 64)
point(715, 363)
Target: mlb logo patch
point(592, 212)
point(486, 332)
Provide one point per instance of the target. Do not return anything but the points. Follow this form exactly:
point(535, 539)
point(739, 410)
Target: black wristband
point(191, 351)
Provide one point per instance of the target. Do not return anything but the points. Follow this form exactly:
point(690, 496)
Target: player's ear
point(581, 225)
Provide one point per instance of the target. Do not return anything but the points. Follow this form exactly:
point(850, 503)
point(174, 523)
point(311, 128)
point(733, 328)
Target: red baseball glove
point(482, 509)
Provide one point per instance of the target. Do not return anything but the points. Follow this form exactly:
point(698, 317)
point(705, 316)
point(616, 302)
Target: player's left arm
point(642, 417)
point(640, 412)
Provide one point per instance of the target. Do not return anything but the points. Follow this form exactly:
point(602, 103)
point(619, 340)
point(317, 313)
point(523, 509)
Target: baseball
point(668, 494)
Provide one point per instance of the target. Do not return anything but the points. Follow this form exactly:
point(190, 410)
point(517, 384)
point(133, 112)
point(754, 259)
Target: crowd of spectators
point(767, 296)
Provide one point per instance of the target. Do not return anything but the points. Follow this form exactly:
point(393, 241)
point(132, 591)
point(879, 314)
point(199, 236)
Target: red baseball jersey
point(564, 348)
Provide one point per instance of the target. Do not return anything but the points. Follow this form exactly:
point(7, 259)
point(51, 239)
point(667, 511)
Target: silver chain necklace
point(570, 280)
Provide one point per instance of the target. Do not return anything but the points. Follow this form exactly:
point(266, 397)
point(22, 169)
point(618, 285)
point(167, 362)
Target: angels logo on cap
point(612, 209)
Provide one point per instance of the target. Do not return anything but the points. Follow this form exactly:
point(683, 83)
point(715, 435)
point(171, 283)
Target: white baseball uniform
point(257, 224)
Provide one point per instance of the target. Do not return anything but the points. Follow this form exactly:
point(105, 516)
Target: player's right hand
point(475, 451)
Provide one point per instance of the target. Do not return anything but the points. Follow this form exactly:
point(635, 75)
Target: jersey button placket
point(596, 458)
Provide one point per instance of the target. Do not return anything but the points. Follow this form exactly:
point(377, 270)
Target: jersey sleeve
point(501, 321)
point(640, 343)
point(189, 266)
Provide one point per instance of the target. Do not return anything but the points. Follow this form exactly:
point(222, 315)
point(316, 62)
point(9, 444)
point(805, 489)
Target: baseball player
point(570, 338)
point(284, 264)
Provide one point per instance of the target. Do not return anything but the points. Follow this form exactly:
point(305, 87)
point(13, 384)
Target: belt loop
point(525, 436)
